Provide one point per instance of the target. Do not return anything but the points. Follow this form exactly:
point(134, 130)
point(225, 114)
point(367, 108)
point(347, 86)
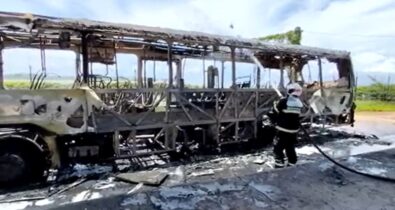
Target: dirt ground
point(378, 123)
point(375, 116)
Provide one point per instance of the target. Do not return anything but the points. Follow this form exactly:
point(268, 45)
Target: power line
point(356, 35)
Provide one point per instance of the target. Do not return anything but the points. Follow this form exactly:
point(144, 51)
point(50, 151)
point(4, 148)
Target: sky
point(362, 27)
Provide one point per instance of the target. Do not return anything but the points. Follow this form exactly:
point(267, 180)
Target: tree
point(289, 37)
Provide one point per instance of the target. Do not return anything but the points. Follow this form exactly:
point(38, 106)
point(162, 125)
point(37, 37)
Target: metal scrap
point(154, 178)
point(203, 172)
point(259, 161)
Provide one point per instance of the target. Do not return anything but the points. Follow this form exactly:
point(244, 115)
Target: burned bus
point(104, 118)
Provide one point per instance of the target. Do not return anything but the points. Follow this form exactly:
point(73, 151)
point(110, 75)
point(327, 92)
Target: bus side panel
point(57, 111)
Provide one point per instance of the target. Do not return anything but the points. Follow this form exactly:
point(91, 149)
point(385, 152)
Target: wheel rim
point(12, 167)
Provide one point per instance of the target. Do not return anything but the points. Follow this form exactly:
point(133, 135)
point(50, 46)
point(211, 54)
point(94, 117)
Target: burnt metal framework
point(160, 116)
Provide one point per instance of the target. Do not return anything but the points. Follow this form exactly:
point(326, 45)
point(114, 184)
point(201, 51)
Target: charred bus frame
point(98, 122)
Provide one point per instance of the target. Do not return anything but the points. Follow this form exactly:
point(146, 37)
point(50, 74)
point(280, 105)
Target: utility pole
point(1, 64)
point(85, 60)
point(388, 86)
point(30, 73)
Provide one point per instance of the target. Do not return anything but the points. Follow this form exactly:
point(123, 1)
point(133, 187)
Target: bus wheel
point(20, 163)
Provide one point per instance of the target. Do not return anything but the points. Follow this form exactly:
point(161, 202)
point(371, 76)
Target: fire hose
point(352, 170)
point(378, 177)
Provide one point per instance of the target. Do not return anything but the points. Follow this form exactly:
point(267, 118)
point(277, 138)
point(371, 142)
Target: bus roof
point(23, 30)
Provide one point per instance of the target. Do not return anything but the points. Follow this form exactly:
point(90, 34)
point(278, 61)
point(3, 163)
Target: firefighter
point(286, 113)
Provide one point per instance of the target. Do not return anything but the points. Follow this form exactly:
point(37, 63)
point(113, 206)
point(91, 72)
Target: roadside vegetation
point(375, 106)
point(376, 97)
point(23, 84)
point(66, 84)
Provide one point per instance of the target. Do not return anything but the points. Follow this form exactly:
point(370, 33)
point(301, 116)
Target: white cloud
point(352, 25)
point(375, 62)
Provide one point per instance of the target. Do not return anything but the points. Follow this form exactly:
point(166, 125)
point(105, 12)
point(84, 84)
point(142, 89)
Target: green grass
point(67, 84)
point(375, 106)
point(22, 84)
point(362, 105)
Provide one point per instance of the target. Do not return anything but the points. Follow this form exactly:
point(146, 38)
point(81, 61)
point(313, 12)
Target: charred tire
point(21, 162)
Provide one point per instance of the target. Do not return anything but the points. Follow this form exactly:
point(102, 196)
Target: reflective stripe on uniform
point(286, 130)
point(293, 111)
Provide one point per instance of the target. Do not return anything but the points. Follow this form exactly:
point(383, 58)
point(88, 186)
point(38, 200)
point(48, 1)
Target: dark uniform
point(286, 114)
